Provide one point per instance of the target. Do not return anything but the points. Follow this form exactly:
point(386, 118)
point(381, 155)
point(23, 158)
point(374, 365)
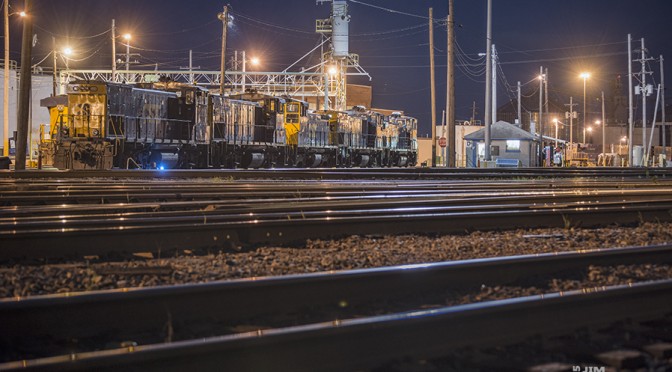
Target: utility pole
point(431, 84)
point(244, 70)
point(114, 53)
point(548, 116)
point(585, 100)
point(450, 96)
point(488, 82)
point(224, 17)
point(645, 90)
point(191, 65)
point(571, 114)
point(5, 96)
point(53, 39)
point(662, 96)
point(128, 57)
point(604, 129)
point(443, 134)
point(23, 125)
point(541, 113)
point(653, 125)
point(494, 84)
point(631, 118)
point(190, 68)
point(473, 113)
point(520, 105)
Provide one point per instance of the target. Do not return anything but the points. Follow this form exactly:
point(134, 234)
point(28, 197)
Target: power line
point(71, 37)
point(271, 24)
point(421, 25)
point(422, 30)
point(204, 25)
point(389, 10)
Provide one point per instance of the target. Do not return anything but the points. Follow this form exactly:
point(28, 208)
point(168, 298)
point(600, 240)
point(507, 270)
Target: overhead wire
point(71, 37)
point(43, 59)
point(388, 9)
point(467, 66)
point(268, 24)
point(269, 28)
point(183, 30)
point(422, 30)
point(420, 25)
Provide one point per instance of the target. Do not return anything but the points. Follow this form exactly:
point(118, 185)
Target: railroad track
point(253, 325)
point(247, 214)
point(352, 173)
point(104, 191)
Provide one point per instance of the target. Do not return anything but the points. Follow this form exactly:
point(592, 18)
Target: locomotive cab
point(294, 112)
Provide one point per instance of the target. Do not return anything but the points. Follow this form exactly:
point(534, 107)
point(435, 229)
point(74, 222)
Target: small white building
point(507, 141)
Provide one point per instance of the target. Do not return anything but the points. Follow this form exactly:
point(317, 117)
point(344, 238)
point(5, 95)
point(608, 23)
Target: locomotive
point(172, 125)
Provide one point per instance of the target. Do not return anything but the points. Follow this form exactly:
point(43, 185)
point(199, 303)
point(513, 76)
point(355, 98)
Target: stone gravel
point(325, 255)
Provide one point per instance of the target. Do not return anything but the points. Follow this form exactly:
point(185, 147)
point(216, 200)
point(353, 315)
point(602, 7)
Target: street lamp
point(585, 76)
point(590, 133)
point(254, 61)
point(65, 52)
point(127, 37)
point(329, 70)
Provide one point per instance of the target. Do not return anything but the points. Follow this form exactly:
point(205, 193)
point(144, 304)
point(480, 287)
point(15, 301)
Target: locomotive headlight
point(96, 132)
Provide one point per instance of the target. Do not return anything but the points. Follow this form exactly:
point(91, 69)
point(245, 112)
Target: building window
point(512, 146)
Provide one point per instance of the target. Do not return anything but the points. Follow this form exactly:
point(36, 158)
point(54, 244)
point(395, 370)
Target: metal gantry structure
point(328, 79)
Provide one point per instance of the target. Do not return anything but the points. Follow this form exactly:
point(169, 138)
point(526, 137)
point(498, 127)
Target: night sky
point(566, 36)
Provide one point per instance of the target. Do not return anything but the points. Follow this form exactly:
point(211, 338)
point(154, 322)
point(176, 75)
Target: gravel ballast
point(19, 280)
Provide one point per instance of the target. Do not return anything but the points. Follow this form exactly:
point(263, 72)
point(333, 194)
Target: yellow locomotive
point(101, 125)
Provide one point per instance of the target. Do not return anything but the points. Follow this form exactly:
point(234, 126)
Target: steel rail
point(63, 216)
point(76, 185)
point(343, 200)
point(365, 342)
point(104, 193)
point(166, 234)
point(350, 173)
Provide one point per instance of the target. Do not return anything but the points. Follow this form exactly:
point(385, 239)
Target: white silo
point(339, 36)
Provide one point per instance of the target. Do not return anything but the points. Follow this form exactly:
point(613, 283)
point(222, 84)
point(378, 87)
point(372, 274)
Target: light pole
point(5, 97)
point(224, 17)
point(557, 123)
point(598, 123)
point(127, 37)
point(604, 126)
point(254, 61)
point(67, 51)
point(584, 76)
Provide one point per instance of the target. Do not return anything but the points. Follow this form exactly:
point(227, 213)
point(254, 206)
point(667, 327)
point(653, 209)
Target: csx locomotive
point(171, 125)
